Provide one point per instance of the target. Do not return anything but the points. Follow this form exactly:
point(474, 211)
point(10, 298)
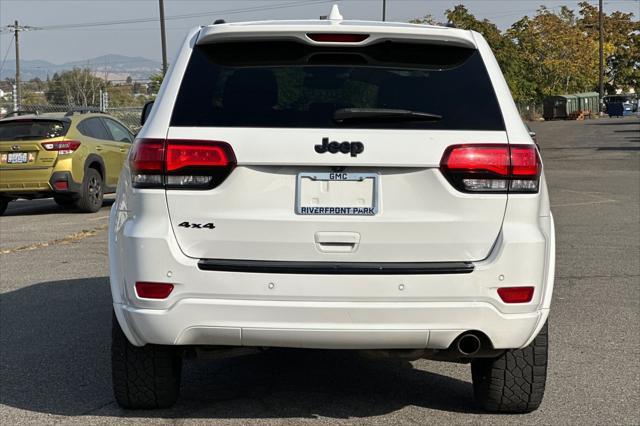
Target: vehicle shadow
point(619, 148)
point(54, 352)
point(43, 207)
point(626, 121)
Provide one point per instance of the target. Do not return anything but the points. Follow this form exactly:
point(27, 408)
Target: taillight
point(64, 147)
point(492, 168)
point(197, 164)
point(153, 290)
point(147, 163)
point(516, 294)
point(180, 164)
point(337, 37)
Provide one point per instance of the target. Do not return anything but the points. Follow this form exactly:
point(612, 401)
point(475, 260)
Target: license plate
point(17, 158)
point(339, 193)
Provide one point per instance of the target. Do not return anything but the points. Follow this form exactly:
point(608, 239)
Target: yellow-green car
point(74, 157)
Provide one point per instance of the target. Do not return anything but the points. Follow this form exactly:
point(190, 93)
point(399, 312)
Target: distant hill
point(111, 67)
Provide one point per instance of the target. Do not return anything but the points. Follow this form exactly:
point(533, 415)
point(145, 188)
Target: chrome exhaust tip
point(468, 344)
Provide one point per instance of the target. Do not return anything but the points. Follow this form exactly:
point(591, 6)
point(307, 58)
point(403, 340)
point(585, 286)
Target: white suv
point(338, 185)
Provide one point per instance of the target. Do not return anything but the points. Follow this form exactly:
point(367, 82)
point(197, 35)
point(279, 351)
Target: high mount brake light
point(64, 147)
point(337, 37)
point(180, 164)
point(492, 168)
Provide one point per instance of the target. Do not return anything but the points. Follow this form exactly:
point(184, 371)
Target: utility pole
point(16, 32)
point(384, 10)
point(163, 38)
point(16, 29)
point(601, 54)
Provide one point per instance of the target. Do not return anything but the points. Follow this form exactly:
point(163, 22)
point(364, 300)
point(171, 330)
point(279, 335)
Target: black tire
point(92, 192)
point(515, 381)
point(144, 377)
point(4, 202)
point(64, 201)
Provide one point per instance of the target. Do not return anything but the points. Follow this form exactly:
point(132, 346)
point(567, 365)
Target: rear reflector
point(180, 164)
point(61, 185)
point(492, 168)
point(516, 294)
point(153, 290)
point(337, 37)
point(64, 147)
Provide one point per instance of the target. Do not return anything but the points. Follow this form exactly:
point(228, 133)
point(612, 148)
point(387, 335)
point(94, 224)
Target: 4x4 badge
point(334, 147)
point(192, 225)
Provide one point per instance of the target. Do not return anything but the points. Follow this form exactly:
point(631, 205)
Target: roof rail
point(219, 21)
point(83, 110)
point(21, 112)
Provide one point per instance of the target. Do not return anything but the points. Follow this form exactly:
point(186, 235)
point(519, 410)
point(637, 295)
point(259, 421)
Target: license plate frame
point(305, 210)
point(22, 156)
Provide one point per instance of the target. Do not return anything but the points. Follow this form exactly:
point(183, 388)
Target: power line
point(186, 15)
point(6, 53)
point(17, 29)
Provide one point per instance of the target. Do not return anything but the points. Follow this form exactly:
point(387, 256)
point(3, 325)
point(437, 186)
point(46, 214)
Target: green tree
point(76, 87)
point(558, 56)
point(622, 45)
point(504, 49)
point(557, 52)
point(155, 81)
point(425, 20)
point(123, 96)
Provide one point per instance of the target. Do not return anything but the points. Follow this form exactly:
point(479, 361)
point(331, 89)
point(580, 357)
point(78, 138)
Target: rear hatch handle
point(337, 242)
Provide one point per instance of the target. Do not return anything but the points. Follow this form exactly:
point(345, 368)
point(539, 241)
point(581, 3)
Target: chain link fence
point(530, 111)
point(130, 116)
point(122, 100)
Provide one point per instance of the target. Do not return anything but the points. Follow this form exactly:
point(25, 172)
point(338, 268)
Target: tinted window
point(288, 84)
point(93, 128)
point(14, 130)
point(118, 132)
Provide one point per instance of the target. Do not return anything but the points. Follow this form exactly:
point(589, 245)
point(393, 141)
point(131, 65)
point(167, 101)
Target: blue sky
point(63, 44)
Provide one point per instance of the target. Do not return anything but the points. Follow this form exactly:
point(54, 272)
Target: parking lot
point(55, 313)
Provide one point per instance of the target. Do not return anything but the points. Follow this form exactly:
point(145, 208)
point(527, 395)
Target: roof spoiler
point(83, 110)
point(21, 112)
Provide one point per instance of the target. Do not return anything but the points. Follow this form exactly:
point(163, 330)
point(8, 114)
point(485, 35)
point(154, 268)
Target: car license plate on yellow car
point(17, 158)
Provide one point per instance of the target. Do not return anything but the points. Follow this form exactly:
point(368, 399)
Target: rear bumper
point(17, 180)
point(327, 325)
point(36, 181)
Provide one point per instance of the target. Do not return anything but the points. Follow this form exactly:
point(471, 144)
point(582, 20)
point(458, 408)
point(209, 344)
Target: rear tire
point(144, 377)
point(514, 382)
point(4, 202)
point(92, 192)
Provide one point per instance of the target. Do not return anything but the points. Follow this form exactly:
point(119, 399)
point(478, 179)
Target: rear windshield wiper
point(382, 114)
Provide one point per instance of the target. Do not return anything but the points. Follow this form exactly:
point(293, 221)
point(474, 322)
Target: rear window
point(15, 130)
point(289, 84)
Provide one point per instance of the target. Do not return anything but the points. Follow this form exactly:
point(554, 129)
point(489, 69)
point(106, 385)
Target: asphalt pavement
point(55, 313)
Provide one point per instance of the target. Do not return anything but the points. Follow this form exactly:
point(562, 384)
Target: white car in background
point(333, 184)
